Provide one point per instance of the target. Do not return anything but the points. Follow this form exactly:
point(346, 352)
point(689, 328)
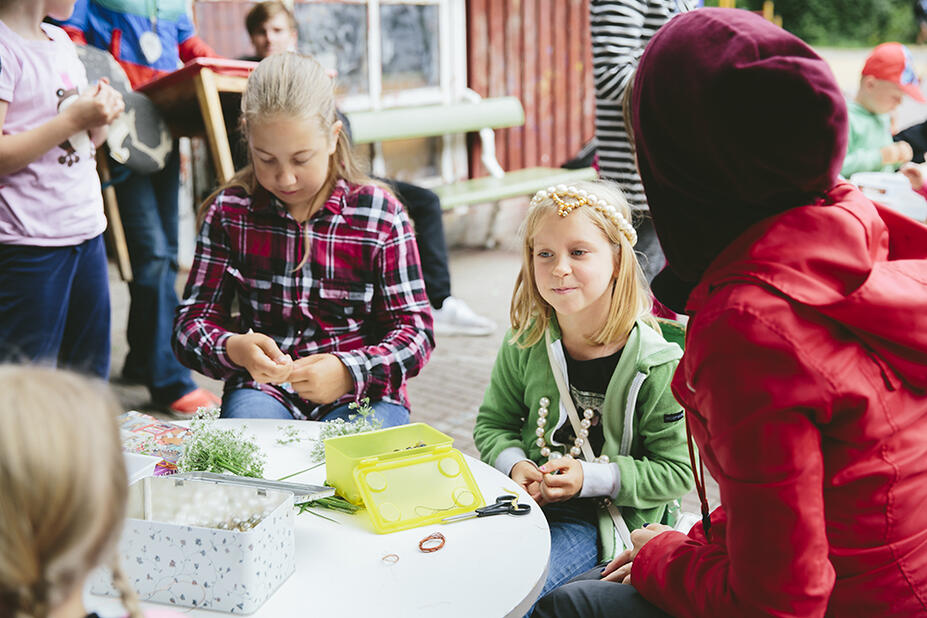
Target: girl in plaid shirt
point(321, 260)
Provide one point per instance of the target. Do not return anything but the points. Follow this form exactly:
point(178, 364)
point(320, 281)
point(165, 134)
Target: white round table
point(491, 566)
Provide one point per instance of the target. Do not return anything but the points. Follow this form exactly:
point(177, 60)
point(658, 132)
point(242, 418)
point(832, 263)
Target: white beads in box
point(203, 544)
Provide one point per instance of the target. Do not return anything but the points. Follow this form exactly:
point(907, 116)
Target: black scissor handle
point(504, 504)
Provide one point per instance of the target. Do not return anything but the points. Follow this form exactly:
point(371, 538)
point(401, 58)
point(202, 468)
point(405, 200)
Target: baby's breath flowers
point(359, 422)
point(288, 435)
point(210, 449)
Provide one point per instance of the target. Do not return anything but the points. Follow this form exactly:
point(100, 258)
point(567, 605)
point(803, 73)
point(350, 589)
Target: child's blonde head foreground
point(63, 487)
point(630, 297)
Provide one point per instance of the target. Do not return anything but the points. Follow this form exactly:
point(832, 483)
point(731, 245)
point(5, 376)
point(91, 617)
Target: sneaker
point(455, 317)
point(186, 406)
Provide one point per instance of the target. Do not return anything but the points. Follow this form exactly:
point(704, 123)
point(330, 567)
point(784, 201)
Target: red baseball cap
point(892, 62)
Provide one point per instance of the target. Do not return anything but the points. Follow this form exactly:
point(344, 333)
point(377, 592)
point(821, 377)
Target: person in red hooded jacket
point(805, 370)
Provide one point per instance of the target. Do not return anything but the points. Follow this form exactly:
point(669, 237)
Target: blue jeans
point(54, 306)
point(252, 403)
point(574, 540)
point(148, 207)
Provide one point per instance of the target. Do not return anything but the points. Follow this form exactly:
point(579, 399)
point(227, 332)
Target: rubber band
point(390, 558)
point(432, 542)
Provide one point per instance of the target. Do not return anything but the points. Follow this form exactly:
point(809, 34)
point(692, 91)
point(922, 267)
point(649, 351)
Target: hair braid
point(127, 593)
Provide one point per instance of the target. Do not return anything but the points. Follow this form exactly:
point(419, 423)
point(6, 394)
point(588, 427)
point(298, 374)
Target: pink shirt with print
point(55, 200)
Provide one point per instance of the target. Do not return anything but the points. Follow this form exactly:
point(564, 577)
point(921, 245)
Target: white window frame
point(452, 81)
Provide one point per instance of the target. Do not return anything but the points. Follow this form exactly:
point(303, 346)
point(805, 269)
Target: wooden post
point(115, 234)
point(211, 109)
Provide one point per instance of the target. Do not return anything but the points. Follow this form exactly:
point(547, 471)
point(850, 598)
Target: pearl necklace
point(578, 442)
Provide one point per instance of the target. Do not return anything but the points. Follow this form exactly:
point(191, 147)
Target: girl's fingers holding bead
point(554, 466)
point(556, 480)
point(534, 490)
point(556, 494)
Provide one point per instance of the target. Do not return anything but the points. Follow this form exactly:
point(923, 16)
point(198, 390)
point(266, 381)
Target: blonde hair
point(296, 86)
point(626, 114)
point(63, 487)
point(630, 298)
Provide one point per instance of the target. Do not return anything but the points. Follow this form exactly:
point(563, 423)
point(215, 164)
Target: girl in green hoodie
point(581, 317)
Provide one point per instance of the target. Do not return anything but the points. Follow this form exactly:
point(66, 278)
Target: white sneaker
point(455, 317)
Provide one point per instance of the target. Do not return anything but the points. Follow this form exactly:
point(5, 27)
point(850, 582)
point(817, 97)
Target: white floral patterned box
point(204, 544)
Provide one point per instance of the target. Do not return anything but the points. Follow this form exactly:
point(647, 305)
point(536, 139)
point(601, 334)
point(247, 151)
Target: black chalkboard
point(409, 36)
point(336, 34)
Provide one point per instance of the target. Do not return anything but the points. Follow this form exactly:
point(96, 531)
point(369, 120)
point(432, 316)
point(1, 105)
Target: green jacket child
point(656, 472)
point(581, 324)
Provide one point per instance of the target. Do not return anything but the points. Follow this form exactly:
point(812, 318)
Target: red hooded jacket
point(805, 371)
point(803, 380)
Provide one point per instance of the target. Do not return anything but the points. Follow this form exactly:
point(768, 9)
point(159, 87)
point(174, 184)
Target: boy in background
point(272, 28)
point(887, 77)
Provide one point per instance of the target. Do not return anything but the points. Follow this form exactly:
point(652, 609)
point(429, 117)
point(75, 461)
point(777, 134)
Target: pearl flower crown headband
point(569, 198)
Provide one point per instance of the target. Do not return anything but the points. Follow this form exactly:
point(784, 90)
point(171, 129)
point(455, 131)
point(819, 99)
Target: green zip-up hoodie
point(656, 472)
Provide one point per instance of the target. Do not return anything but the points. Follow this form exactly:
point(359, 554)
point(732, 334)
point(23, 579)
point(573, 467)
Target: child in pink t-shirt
point(54, 294)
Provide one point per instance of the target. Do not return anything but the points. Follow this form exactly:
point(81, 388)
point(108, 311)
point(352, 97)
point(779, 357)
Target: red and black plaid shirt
point(359, 296)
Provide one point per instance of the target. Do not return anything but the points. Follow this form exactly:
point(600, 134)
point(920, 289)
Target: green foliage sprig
point(210, 449)
point(361, 421)
point(335, 503)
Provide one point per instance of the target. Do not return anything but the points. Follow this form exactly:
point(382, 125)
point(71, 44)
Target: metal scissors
point(504, 504)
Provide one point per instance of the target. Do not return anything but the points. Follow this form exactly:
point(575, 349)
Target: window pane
point(336, 34)
point(410, 46)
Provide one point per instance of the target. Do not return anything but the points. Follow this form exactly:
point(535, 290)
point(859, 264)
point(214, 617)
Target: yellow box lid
point(420, 489)
point(344, 453)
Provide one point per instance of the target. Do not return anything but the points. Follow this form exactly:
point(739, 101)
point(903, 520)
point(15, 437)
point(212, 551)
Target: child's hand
point(96, 107)
point(898, 152)
point(526, 474)
point(619, 569)
point(260, 356)
point(321, 378)
point(563, 478)
point(914, 175)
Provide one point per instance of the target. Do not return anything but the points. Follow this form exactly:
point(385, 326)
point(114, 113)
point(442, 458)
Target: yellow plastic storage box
point(405, 476)
point(344, 453)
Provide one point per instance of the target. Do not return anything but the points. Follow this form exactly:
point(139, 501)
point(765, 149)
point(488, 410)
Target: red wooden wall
point(221, 23)
point(540, 52)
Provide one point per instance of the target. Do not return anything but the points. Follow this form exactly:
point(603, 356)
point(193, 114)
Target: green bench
point(482, 115)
